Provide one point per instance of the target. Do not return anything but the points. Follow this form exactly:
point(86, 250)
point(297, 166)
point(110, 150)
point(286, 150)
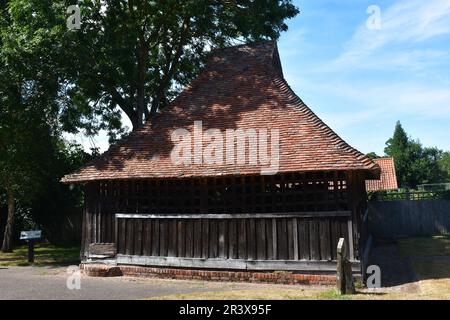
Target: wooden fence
point(395, 219)
point(238, 241)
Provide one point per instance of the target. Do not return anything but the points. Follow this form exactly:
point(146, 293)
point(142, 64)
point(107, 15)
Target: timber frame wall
point(281, 222)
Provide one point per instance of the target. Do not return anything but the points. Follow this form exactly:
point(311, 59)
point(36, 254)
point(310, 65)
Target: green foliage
point(32, 156)
point(129, 57)
point(372, 155)
point(444, 163)
point(397, 147)
point(51, 203)
point(135, 56)
point(57, 201)
point(414, 163)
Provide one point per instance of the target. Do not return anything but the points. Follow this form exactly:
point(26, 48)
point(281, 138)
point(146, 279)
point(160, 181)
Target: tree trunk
point(7, 237)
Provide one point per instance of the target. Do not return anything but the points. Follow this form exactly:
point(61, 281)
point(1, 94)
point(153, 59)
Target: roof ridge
point(246, 44)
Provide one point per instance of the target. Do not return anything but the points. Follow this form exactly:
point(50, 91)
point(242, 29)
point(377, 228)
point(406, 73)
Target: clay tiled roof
point(388, 178)
point(241, 87)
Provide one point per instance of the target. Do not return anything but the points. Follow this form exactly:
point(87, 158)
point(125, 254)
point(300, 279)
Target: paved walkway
point(50, 284)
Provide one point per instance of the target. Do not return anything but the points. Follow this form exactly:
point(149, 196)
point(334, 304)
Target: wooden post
point(344, 270)
point(341, 248)
point(30, 250)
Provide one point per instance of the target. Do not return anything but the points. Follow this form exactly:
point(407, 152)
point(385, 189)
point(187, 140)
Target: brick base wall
point(102, 270)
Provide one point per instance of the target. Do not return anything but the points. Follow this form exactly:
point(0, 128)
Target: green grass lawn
point(44, 255)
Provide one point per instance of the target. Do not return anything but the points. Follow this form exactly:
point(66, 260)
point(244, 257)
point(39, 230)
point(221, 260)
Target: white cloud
point(360, 102)
point(405, 22)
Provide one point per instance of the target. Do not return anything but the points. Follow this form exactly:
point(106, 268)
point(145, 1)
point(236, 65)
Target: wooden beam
point(233, 264)
point(319, 214)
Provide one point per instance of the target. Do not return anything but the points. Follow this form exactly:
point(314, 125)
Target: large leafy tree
point(134, 56)
point(28, 114)
point(128, 57)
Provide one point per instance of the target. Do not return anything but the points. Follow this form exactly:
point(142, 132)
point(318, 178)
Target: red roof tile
point(388, 178)
point(240, 88)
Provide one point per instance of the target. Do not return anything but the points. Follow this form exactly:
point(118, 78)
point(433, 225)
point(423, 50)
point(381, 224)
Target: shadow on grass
point(409, 260)
point(428, 256)
point(46, 255)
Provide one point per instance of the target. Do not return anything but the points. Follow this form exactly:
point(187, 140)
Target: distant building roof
point(388, 178)
point(241, 87)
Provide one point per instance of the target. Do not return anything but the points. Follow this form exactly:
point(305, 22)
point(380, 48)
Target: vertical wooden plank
point(269, 239)
point(189, 238)
point(172, 243)
point(261, 246)
point(314, 240)
point(205, 238)
point(83, 232)
point(334, 230)
point(138, 237)
point(88, 194)
point(325, 241)
point(129, 238)
point(155, 238)
point(213, 238)
point(232, 241)
point(290, 238)
point(295, 238)
point(106, 227)
point(344, 231)
point(242, 238)
point(116, 230)
point(282, 237)
point(251, 239)
point(163, 237)
point(274, 239)
point(181, 238)
point(120, 236)
point(222, 236)
point(123, 235)
point(197, 238)
point(147, 248)
point(304, 245)
point(100, 227)
point(94, 227)
point(112, 228)
point(89, 231)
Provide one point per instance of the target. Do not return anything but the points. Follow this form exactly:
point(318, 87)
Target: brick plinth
point(101, 270)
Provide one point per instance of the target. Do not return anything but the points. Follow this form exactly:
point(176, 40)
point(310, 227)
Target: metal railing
point(408, 195)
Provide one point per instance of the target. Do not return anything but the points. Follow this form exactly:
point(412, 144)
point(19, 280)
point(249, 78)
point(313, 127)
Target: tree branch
point(171, 67)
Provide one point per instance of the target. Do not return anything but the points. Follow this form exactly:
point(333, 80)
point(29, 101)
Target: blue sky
point(361, 80)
